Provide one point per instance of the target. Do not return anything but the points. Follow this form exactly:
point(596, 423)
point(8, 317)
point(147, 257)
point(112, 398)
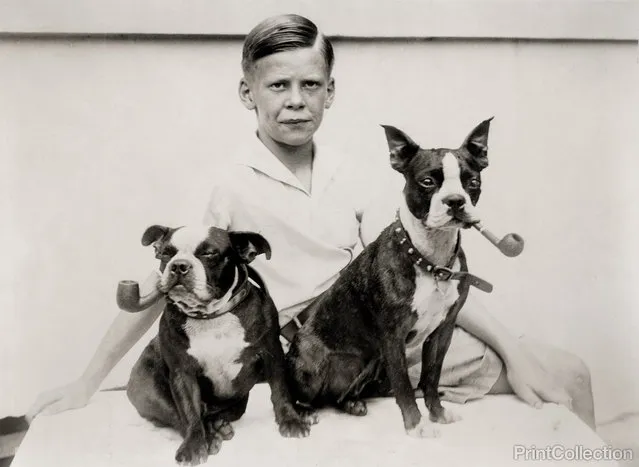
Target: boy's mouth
point(295, 121)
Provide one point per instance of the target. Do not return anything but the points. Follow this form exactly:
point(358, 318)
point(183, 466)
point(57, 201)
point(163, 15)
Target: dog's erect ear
point(477, 143)
point(249, 244)
point(401, 147)
point(153, 234)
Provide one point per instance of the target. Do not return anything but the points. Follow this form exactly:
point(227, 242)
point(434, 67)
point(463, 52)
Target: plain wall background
point(101, 138)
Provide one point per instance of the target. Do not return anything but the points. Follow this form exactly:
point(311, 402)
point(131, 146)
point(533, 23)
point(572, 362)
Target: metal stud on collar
point(441, 273)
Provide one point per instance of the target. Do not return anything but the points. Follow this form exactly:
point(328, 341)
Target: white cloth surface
point(109, 432)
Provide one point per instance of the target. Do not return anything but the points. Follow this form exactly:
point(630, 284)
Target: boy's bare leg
point(556, 370)
point(535, 372)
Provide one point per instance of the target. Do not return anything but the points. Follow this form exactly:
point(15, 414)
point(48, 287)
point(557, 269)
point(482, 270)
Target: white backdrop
point(99, 139)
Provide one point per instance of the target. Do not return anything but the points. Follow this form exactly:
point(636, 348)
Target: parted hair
point(281, 33)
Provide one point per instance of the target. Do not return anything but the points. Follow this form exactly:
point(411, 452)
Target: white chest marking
point(431, 302)
point(217, 344)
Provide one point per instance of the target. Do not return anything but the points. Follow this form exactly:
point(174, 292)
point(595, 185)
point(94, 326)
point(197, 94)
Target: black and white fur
point(218, 337)
point(354, 343)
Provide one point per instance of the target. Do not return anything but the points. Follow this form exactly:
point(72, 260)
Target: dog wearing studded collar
point(402, 292)
point(218, 337)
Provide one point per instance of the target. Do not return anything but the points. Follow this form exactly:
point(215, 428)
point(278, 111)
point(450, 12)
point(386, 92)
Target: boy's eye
point(311, 84)
point(276, 86)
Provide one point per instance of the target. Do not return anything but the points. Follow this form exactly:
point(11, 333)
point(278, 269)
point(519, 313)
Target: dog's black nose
point(180, 266)
point(454, 202)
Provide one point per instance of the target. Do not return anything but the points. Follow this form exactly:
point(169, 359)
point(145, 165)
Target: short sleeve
point(218, 209)
point(378, 209)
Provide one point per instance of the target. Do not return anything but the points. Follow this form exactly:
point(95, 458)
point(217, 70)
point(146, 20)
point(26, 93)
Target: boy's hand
point(71, 396)
point(531, 382)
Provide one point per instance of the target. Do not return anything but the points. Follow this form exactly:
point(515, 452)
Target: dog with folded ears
point(406, 287)
point(218, 337)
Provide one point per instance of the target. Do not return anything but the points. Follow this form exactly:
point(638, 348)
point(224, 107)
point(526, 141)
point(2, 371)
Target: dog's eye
point(163, 254)
point(474, 183)
point(210, 254)
point(427, 182)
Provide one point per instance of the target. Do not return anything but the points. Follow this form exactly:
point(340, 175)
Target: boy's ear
point(246, 96)
point(402, 148)
point(330, 93)
point(249, 244)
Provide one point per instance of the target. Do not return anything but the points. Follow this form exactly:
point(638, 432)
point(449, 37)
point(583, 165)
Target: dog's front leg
point(194, 449)
point(433, 352)
point(291, 423)
point(397, 369)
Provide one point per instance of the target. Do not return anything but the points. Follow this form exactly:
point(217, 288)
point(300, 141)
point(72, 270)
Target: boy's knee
point(576, 374)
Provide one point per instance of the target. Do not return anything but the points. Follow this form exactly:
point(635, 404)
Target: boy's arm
point(124, 332)
point(378, 206)
point(126, 329)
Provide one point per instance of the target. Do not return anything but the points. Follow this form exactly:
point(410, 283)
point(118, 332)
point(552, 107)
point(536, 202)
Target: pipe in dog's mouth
point(188, 294)
point(191, 304)
point(459, 221)
point(467, 224)
point(187, 284)
point(463, 218)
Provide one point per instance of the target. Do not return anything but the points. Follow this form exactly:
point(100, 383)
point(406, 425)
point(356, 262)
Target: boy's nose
point(295, 99)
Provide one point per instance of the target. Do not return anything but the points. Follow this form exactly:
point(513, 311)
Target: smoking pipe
point(510, 245)
point(128, 297)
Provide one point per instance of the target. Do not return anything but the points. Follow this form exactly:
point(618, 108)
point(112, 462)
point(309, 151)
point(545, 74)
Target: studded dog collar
point(440, 273)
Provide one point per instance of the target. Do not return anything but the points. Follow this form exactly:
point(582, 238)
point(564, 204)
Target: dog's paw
point(295, 428)
point(223, 428)
point(357, 408)
point(215, 444)
point(309, 416)
point(445, 416)
point(193, 451)
point(424, 429)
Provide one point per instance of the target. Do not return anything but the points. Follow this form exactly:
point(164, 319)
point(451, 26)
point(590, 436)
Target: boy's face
point(289, 92)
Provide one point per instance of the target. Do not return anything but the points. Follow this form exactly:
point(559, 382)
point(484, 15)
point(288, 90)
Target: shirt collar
point(325, 164)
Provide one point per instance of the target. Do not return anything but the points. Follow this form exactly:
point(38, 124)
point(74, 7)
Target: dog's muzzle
point(180, 268)
point(182, 277)
point(460, 210)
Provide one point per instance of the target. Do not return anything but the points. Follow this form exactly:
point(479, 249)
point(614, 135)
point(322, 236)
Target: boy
point(299, 195)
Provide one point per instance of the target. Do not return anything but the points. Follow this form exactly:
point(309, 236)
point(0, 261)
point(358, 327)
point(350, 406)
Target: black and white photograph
point(293, 233)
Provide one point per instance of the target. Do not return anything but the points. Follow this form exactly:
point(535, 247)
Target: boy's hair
point(281, 33)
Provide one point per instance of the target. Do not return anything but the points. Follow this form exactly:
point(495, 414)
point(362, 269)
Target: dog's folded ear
point(402, 148)
point(153, 234)
point(476, 143)
point(249, 244)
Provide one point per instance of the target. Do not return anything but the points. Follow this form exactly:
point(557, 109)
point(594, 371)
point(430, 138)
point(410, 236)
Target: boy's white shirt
point(313, 236)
